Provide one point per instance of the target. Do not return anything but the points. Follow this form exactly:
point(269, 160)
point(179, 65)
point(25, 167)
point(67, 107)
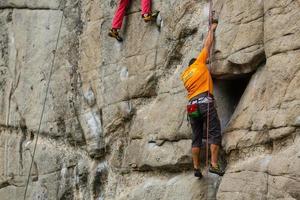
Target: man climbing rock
point(147, 15)
point(201, 107)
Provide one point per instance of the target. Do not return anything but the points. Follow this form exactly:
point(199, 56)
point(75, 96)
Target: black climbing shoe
point(198, 173)
point(216, 170)
point(115, 34)
point(150, 17)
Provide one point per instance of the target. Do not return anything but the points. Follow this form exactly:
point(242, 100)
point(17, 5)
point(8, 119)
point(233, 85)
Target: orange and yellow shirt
point(196, 78)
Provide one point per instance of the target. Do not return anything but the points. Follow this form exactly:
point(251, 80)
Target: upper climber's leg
point(147, 14)
point(119, 14)
point(146, 6)
point(118, 19)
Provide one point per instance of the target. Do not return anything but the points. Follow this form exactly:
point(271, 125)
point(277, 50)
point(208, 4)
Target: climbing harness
point(193, 109)
point(44, 103)
point(205, 99)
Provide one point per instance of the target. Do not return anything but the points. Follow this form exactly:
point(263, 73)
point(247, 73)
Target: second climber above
point(147, 15)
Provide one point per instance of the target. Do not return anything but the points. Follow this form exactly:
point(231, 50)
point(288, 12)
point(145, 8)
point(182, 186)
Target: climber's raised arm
point(210, 37)
point(203, 55)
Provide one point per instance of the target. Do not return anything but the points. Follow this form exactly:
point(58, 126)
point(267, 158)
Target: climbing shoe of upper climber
point(114, 33)
point(150, 17)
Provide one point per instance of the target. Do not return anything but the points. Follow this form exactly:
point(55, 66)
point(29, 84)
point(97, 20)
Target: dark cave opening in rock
point(228, 94)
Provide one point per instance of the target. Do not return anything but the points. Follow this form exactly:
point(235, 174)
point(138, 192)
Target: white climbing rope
point(44, 104)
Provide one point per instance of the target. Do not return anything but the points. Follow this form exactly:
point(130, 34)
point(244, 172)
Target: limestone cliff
point(115, 125)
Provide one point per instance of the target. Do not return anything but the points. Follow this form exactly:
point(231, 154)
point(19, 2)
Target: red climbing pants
point(119, 15)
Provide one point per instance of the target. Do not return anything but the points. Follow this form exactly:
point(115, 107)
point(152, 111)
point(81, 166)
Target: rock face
point(115, 126)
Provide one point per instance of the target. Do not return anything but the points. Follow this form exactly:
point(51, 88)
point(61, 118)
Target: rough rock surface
point(115, 126)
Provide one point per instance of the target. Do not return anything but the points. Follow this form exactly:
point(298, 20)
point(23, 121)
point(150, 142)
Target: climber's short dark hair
point(192, 61)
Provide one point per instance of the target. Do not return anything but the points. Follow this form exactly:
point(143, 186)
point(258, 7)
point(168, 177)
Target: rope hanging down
point(44, 104)
point(210, 21)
